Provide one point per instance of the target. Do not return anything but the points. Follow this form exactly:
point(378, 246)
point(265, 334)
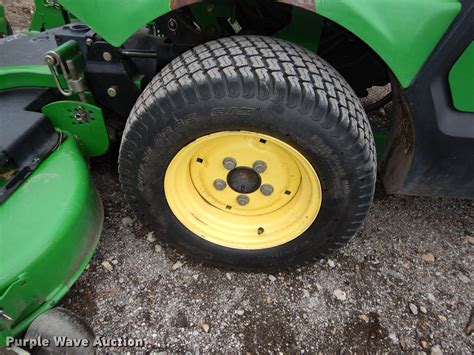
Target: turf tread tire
point(263, 69)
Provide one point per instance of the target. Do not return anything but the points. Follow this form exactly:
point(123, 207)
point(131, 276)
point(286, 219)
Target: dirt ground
point(405, 282)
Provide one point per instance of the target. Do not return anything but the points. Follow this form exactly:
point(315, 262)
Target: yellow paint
point(267, 221)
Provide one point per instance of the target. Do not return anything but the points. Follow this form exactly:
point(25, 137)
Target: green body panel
point(26, 76)
point(90, 131)
point(50, 227)
point(461, 81)
point(402, 32)
point(3, 22)
point(47, 16)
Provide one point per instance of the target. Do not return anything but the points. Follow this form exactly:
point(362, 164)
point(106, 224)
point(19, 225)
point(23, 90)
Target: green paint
point(46, 17)
point(380, 137)
point(3, 22)
point(26, 76)
point(90, 131)
point(303, 19)
point(402, 32)
point(461, 81)
point(42, 258)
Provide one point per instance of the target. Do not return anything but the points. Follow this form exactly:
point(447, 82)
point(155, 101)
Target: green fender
point(402, 32)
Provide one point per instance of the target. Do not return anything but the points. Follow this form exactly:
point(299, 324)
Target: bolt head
point(220, 184)
point(111, 91)
point(89, 42)
point(107, 56)
point(243, 200)
point(229, 163)
point(266, 189)
point(260, 166)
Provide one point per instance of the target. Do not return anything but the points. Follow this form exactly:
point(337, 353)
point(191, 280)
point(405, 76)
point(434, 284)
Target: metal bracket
point(75, 82)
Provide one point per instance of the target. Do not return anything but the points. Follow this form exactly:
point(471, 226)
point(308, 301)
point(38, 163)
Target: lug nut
point(260, 166)
point(266, 189)
point(242, 200)
point(229, 163)
point(220, 184)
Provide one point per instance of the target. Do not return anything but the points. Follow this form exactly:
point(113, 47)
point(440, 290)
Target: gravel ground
point(405, 282)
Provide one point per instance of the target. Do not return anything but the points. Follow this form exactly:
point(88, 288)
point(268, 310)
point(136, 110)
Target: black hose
point(381, 103)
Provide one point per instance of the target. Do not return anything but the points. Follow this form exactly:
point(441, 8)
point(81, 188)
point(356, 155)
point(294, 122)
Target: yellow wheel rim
point(210, 183)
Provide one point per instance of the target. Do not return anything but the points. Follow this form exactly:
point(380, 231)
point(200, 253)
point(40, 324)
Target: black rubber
point(57, 325)
point(263, 85)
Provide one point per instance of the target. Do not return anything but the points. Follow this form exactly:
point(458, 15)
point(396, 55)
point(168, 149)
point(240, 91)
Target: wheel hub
point(243, 190)
point(244, 180)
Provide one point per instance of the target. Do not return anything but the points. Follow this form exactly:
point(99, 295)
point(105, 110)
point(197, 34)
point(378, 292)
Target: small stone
point(464, 278)
point(176, 265)
point(470, 239)
point(240, 312)
point(431, 297)
point(158, 248)
point(319, 287)
point(442, 318)
point(413, 309)
point(331, 263)
point(121, 280)
point(195, 277)
point(228, 276)
point(115, 261)
point(403, 343)
point(436, 350)
point(363, 317)
point(305, 293)
point(340, 295)
point(423, 344)
point(108, 266)
point(428, 257)
point(127, 221)
point(406, 265)
point(205, 327)
point(151, 237)
point(393, 338)
point(272, 278)
point(423, 309)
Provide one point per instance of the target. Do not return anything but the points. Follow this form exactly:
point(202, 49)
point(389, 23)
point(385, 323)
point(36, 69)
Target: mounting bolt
point(89, 42)
point(266, 189)
point(112, 91)
point(243, 200)
point(260, 166)
point(220, 184)
point(210, 7)
point(229, 163)
point(107, 56)
point(172, 25)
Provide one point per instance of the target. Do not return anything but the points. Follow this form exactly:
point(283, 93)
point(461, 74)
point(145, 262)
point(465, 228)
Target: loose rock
point(436, 350)
point(464, 278)
point(158, 248)
point(115, 262)
point(413, 309)
point(240, 312)
point(442, 318)
point(108, 266)
point(228, 276)
point(393, 337)
point(428, 257)
point(151, 237)
point(176, 265)
point(363, 317)
point(340, 295)
point(272, 278)
point(127, 221)
point(331, 263)
point(423, 310)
